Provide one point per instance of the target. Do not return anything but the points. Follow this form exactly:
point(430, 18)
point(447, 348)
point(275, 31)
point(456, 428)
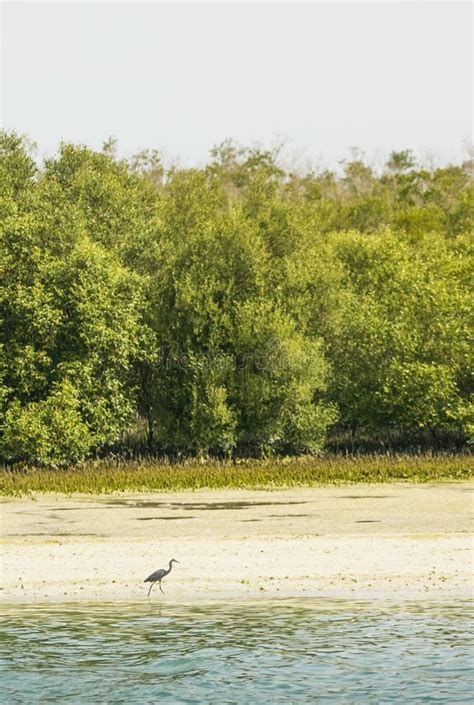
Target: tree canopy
point(235, 308)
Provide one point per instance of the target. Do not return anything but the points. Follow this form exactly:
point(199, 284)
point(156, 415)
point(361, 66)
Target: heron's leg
point(161, 587)
point(150, 589)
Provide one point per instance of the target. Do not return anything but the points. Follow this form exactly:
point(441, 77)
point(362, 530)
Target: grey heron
point(158, 576)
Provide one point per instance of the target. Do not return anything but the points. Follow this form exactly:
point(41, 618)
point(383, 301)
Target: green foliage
point(17, 168)
point(234, 309)
point(71, 317)
point(112, 475)
point(279, 382)
point(48, 432)
point(402, 346)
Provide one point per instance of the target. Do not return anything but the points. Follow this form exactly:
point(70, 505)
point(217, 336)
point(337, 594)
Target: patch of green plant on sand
point(105, 476)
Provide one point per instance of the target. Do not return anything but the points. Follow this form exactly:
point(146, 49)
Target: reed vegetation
point(108, 476)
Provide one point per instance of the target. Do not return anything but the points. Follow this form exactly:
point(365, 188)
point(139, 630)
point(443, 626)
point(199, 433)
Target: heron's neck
point(170, 566)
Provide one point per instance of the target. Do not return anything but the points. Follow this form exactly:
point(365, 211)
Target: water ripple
point(283, 652)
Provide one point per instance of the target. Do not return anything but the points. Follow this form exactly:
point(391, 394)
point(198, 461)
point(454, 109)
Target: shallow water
point(309, 651)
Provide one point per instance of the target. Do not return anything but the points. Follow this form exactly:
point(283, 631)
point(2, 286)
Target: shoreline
point(385, 541)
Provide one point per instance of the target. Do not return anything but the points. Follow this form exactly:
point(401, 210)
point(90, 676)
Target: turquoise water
point(312, 651)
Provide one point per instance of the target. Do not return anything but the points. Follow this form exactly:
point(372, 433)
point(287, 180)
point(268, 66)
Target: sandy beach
point(396, 541)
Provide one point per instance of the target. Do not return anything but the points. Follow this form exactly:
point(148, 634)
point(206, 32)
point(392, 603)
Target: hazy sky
point(184, 76)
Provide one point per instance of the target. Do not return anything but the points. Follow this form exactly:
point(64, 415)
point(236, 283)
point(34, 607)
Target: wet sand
point(396, 541)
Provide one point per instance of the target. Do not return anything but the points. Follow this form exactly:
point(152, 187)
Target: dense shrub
point(233, 309)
